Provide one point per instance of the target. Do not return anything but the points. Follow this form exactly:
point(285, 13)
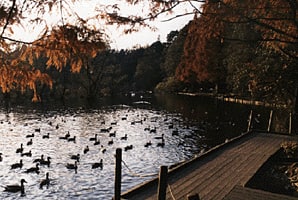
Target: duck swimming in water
point(45, 181)
point(39, 159)
point(86, 149)
point(33, 169)
point(20, 150)
point(72, 166)
point(97, 165)
point(17, 165)
point(16, 188)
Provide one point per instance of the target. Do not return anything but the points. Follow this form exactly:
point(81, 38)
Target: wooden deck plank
point(214, 174)
point(243, 193)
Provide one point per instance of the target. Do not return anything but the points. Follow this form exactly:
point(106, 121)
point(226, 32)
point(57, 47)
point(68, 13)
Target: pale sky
point(117, 39)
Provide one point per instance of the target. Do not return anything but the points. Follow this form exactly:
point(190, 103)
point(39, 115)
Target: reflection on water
point(187, 124)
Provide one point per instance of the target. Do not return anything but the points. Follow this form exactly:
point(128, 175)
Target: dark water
point(199, 123)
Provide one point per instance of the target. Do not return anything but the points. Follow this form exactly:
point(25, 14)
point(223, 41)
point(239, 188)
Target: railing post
point(290, 123)
point(117, 193)
point(249, 121)
point(162, 183)
point(270, 121)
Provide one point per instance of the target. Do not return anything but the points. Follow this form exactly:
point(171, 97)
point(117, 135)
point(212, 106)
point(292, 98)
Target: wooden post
point(249, 121)
point(270, 121)
point(162, 183)
point(290, 123)
point(117, 193)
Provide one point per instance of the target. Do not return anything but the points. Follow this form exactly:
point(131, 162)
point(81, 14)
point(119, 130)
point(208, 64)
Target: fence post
point(270, 121)
point(117, 193)
point(290, 124)
point(162, 183)
point(249, 121)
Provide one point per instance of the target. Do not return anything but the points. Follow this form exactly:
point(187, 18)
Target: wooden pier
point(220, 173)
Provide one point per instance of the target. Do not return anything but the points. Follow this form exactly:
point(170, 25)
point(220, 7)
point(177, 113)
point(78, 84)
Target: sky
point(117, 39)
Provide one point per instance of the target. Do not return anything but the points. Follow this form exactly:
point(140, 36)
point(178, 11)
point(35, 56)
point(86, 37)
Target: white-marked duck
point(45, 181)
point(97, 142)
point(16, 188)
point(102, 149)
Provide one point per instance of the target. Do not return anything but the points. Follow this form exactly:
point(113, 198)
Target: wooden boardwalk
point(218, 172)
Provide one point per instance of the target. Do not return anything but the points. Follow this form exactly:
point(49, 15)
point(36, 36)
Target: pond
point(188, 126)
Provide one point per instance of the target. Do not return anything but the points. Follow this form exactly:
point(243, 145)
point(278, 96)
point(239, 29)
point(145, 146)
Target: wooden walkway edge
point(215, 173)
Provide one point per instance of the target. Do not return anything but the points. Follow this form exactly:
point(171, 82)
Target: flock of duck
point(45, 161)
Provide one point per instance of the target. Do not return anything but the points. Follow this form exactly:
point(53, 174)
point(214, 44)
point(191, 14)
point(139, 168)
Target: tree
point(61, 44)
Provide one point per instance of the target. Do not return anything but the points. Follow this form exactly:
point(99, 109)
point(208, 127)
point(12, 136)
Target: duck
point(153, 130)
point(124, 137)
point(39, 159)
point(17, 165)
point(1, 157)
point(47, 136)
point(46, 162)
point(147, 128)
point(37, 130)
point(111, 142)
point(159, 137)
point(128, 147)
point(20, 150)
point(93, 138)
point(148, 144)
point(72, 166)
point(67, 135)
point(30, 135)
point(28, 154)
point(86, 149)
point(45, 181)
point(102, 149)
point(33, 169)
point(112, 134)
point(97, 142)
point(73, 139)
point(30, 142)
point(97, 165)
point(161, 144)
point(75, 157)
point(16, 188)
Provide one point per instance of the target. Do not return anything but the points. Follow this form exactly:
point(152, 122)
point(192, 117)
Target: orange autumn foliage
point(276, 22)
